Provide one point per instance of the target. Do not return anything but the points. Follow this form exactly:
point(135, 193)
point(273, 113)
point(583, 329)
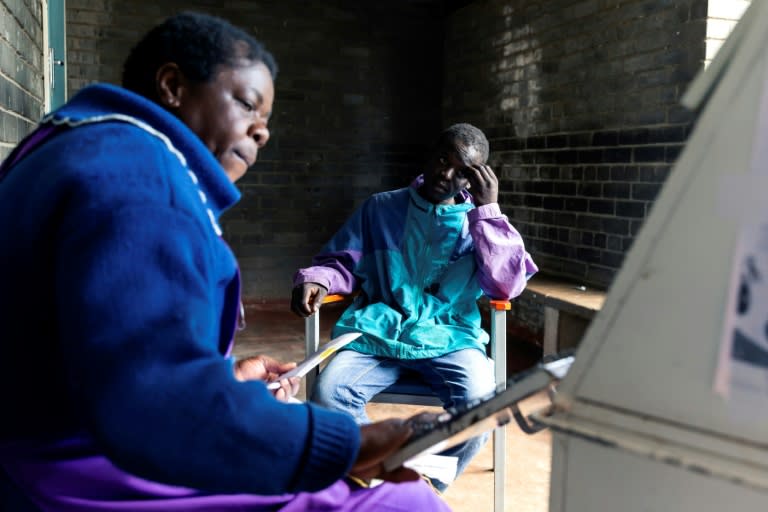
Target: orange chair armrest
point(334, 297)
point(500, 305)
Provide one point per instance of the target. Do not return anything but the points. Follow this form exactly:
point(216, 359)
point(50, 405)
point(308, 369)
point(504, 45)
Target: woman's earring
point(170, 100)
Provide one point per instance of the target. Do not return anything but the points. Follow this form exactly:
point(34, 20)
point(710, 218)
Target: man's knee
point(326, 392)
point(480, 373)
point(335, 395)
point(320, 393)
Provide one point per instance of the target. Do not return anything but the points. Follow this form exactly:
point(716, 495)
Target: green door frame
point(56, 57)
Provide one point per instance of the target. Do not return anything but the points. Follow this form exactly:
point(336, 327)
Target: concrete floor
point(275, 331)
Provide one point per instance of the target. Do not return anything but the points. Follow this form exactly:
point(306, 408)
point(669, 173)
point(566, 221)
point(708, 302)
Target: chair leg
point(499, 470)
point(312, 341)
point(499, 354)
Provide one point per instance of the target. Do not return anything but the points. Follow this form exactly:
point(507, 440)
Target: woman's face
point(230, 114)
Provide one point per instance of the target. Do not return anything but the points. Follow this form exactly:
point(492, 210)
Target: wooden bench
point(568, 309)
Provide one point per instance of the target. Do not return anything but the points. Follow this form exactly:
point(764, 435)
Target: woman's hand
point(268, 370)
point(380, 440)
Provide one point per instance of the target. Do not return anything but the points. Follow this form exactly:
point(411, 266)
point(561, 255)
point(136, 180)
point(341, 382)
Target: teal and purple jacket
point(420, 269)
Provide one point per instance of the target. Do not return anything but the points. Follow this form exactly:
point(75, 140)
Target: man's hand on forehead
point(483, 181)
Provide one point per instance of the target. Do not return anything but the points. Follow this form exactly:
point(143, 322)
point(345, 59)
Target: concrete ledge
point(568, 309)
point(565, 295)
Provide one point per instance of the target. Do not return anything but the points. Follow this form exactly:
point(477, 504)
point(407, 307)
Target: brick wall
point(21, 70)
point(358, 98)
point(579, 99)
point(580, 102)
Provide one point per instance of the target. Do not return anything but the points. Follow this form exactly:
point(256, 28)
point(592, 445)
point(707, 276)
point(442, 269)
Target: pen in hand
point(265, 368)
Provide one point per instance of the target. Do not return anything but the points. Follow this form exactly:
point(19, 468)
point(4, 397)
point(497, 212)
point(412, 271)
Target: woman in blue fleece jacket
point(119, 302)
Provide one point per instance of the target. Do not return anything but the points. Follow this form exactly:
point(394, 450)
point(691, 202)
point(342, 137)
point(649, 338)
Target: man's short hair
point(465, 135)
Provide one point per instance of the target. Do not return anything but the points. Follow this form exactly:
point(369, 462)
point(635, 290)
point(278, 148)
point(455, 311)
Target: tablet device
point(458, 424)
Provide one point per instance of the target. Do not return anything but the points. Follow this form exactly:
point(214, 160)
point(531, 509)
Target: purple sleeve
point(334, 270)
point(504, 266)
point(334, 266)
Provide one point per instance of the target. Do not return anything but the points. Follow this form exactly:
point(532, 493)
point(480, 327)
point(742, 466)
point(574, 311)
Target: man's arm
point(504, 266)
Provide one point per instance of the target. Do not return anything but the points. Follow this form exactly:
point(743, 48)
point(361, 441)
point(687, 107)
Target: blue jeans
point(351, 379)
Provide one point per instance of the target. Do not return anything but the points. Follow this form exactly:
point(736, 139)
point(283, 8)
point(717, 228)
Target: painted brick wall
point(21, 70)
point(580, 102)
point(358, 98)
point(722, 17)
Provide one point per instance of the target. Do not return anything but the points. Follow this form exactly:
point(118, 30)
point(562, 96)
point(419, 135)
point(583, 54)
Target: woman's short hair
point(198, 44)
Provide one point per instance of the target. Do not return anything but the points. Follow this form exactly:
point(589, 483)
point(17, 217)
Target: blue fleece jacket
point(118, 300)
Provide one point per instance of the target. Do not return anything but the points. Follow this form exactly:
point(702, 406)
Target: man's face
point(445, 177)
point(230, 114)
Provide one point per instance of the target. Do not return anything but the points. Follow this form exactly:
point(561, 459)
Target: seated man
point(420, 257)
